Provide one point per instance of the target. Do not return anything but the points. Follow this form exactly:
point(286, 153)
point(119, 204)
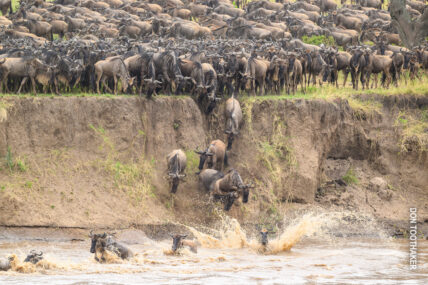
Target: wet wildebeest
point(233, 114)
point(176, 161)
point(230, 187)
point(112, 67)
point(5, 263)
point(179, 241)
point(264, 240)
point(215, 156)
point(34, 257)
point(102, 242)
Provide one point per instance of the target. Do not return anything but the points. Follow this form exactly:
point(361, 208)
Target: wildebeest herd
point(205, 48)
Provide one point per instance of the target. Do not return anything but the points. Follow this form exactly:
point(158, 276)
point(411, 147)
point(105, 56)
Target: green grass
point(318, 40)
point(413, 129)
point(350, 177)
point(133, 178)
point(14, 164)
point(192, 162)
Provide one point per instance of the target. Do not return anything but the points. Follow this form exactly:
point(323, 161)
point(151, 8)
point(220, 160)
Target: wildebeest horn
point(40, 253)
point(183, 236)
point(209, 154)
point(91, 234)
point(199, 152)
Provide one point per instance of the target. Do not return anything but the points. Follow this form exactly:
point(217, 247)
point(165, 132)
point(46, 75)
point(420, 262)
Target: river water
point(300, 254)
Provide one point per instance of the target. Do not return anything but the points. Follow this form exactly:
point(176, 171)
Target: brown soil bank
point(100, 162)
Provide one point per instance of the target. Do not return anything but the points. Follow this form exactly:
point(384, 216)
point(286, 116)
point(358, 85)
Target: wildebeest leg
point(4, 83)
point(345, 73)
point(115, 84)
point(33, 85)
point(24, 80)
point(104, 83)
point(261, 87)
point(374, 82)
point(301, 83)
point(97, 82)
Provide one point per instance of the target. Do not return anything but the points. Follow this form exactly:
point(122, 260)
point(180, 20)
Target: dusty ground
point(100, 162)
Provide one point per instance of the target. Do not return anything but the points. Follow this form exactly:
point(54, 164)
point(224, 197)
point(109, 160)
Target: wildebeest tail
point(226, 159)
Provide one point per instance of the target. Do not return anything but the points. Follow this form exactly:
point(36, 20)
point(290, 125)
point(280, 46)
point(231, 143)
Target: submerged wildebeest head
point(177, 242)
point(34, 257)
point(264, 237)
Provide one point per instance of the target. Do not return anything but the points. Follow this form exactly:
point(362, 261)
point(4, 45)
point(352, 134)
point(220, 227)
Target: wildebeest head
point(240, 186)
point(176, 241)
point(94, 239)
point(230, 138)
point(229, 200)
point(128, 83)
point(264, 233)
point(203, 156)
point(34, 257)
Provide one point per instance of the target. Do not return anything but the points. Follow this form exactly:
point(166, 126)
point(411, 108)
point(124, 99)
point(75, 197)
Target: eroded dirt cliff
point(100, 162)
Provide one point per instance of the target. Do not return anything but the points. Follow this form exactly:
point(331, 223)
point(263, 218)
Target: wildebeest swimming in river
point(34, 257)
point(176, 161)
point(179, 241)
point(100, 243)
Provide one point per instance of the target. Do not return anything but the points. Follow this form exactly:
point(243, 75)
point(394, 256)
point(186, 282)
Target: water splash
point(28, 267)
point(230, 235)
point(324, 225)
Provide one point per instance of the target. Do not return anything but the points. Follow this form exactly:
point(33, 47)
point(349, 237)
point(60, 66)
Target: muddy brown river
point(301, 254)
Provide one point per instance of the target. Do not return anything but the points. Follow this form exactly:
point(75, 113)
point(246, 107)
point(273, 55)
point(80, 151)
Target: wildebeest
point(230, 187)
point(179, 241)
point(176, 161)
point(102, 242)
point(5, 263)
point(34, 257)
point(233, 114)
point(20, 67)
point(112, 67)
point(208, 177)
point(215, 156)
point(5, 5)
